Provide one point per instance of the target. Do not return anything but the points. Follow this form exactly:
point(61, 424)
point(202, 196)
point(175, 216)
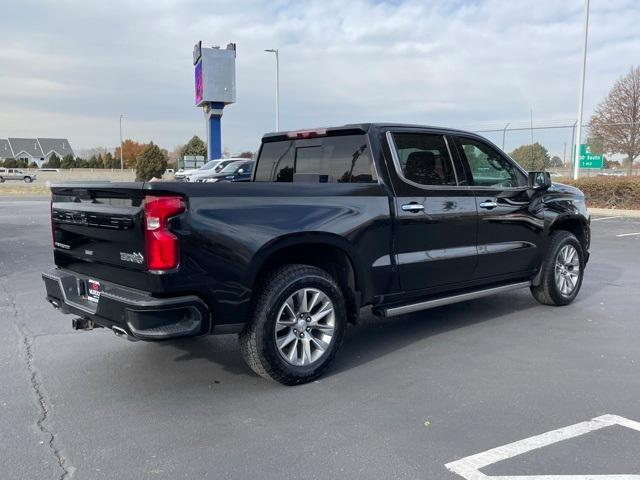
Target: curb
point(614, 212)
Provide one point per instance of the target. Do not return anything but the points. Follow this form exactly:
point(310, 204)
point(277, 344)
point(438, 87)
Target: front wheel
point(297, 325)
point(562, 270)
point(1, 179)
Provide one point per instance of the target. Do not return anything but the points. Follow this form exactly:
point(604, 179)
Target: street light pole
point(576, 167)
point(504, 134)
point(121, 144)
point(277, 52)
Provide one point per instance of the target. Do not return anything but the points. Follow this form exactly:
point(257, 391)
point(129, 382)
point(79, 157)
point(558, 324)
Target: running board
point(438, 302)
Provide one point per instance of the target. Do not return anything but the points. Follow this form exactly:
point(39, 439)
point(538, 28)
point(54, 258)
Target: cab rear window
point(340, 159)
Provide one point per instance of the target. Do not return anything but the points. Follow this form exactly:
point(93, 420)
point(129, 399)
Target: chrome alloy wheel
point(305, 326)
point(567, 269)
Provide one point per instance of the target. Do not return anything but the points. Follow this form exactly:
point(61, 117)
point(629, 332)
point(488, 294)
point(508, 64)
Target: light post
point(276, 51)
point(576, 166)
point(504, 134)
point(121, 144)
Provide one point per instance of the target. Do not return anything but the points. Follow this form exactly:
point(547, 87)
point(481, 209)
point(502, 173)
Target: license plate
point(93, 290)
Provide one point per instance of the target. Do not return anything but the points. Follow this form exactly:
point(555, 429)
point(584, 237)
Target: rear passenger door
point(436, 218)
point(510, 224)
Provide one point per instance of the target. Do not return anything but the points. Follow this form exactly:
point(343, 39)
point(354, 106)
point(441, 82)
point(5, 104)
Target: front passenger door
point(510, 224)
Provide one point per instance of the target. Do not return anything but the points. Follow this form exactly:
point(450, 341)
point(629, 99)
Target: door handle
point(489, 204)
point(413, 207)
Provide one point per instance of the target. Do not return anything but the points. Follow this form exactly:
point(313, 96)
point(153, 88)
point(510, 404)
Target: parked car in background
point(214, 167)
point(240, 171)
point(401, 218)
point(182, 174)
point(55, 170)
point(16, 174)
point(611, 173)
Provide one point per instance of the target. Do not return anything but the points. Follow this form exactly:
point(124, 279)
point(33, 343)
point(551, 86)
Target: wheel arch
point(575, 224)
point(327, 251)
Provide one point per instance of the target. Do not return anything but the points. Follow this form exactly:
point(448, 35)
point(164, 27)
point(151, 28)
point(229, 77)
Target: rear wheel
point(1, 179)
point(28, 179)
point(297, 325)
point(562, 270)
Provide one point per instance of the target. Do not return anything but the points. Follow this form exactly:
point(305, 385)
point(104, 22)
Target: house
point(36, 150)
point(5, 149)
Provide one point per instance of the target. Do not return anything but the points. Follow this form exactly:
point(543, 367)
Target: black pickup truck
point(400, 218)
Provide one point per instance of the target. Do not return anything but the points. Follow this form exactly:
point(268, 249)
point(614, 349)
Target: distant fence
point(557, 137)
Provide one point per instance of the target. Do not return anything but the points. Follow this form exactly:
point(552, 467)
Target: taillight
point(163, 249)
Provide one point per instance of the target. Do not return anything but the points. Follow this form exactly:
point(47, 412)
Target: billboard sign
point(215, 75)
point(199, 85)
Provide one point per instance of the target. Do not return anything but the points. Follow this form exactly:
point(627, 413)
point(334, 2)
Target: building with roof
point(36, 150)
point(5, 149)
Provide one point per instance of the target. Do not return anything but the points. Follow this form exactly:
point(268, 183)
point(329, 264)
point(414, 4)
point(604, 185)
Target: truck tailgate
point(99, 224)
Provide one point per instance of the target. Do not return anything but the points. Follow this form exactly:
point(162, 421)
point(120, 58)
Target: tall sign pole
point(215, 88)
point(277, 52)
point(576, 167)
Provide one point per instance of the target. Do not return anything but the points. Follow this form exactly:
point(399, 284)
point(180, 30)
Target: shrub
point(68, 162)
point(10, 163)
point(152, 162)
point(53, 162)
point(610, 192)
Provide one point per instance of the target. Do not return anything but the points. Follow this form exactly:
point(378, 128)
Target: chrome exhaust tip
point(122, 333)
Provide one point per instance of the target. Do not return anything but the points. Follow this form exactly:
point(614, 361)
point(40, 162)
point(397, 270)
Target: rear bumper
point(140, 315)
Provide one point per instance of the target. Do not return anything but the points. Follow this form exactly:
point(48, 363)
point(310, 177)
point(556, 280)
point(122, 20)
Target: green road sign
point(589, 160)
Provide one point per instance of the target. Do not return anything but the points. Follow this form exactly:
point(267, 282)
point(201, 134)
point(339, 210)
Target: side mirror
point(539, 180)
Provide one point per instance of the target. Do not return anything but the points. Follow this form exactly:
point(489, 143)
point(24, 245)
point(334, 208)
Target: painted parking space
point(470, 467)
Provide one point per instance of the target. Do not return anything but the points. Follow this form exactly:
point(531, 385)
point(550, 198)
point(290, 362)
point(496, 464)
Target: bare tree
point(616, 121)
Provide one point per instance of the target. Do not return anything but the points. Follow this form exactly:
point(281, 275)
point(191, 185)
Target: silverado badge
point(135, 257)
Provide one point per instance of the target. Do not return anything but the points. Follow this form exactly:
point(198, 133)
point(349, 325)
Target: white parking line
point(604, 218)
point(628, 234)
point(469, 467)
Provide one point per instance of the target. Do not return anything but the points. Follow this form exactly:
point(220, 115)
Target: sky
point(69, 68)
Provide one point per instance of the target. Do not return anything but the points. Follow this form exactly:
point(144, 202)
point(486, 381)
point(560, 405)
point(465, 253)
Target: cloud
point(456, 63)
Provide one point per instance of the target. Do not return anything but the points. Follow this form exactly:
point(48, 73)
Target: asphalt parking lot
point(406, 396)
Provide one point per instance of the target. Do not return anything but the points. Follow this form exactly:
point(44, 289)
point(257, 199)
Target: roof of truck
point(362, 127)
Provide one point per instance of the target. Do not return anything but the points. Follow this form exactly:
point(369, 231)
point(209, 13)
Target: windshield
point(209, 165)
point(223, 164)
point(230, 168)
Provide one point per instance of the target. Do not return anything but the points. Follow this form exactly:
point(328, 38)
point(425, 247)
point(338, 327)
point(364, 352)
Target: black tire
point(548, 292)
point(1, 180)
point(258, 340)
point(28, 179)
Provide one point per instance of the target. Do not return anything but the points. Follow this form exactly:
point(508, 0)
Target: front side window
point(424, 158)
point(488, 168)
point(245, 167)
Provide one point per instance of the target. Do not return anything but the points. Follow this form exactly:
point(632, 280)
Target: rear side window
point(342, 159)
point(424, 158)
